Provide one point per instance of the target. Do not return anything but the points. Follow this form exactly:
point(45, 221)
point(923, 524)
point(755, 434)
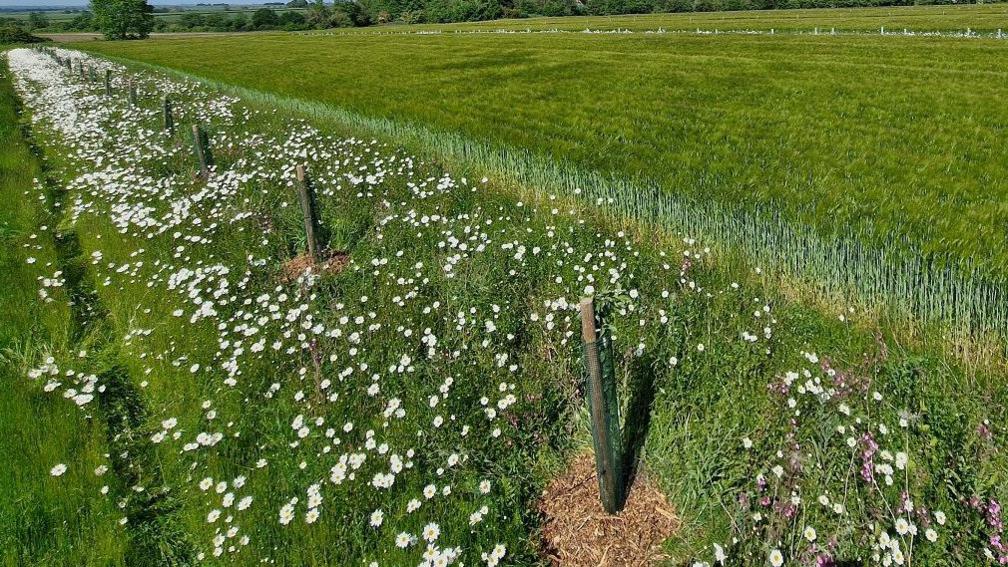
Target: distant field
point(53, 16)
point(892, 137)
point(984, 17)
point(979, 18)
point(72, 37)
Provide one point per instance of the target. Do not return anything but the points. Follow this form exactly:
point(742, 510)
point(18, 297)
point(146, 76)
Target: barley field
point(313, 299)
point(825, 157)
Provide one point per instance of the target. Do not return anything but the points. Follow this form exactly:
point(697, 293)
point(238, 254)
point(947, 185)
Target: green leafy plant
point(123, 19)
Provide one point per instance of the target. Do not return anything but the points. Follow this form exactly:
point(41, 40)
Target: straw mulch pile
point(332, 262)
point(577, 532)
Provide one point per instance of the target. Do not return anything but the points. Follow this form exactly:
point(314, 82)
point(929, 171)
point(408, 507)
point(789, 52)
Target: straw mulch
point(332, 262)
point(577, 532)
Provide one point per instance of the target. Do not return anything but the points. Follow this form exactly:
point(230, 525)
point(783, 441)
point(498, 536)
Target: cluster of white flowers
point(351, 351)
point(389, 392)
point(76, 386)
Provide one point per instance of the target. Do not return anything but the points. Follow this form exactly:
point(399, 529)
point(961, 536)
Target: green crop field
point(795, 243)
point(885, 142)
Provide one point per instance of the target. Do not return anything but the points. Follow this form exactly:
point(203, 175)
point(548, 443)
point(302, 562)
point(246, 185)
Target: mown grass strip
point(155, 537)
point(44, 519)
point(80, 325)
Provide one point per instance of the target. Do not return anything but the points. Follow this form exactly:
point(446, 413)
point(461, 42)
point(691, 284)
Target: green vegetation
point(739, 11)
point(123, 19)
point(14, 34)
point(44, 520)
point(862, 164)
point(69, 21)
point(433, 11)
point(949, 18)
point(829, 356)
point(192, 276)
point(570, 15)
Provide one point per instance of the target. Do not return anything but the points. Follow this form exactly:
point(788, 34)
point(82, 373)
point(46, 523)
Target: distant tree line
point(443, 11)
point(39, 21)
point(120, 19)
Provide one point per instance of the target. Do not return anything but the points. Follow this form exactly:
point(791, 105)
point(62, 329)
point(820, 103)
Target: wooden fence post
point(603, 408)
point(169, 119)
point(201, 146)
point(306, 195)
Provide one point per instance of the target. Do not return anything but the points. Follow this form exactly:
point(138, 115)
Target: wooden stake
point(202, 152)
point(306, 195)
point(169, 119)
point(603, 409)
point(108, 82)
point(132, 93)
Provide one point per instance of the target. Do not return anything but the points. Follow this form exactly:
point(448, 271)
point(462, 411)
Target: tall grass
point(44, 520)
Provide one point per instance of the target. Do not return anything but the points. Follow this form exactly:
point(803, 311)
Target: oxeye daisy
point(431, 532)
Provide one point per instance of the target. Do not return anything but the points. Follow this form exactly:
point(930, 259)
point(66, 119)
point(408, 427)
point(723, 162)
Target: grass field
point(408, 403)
point(838, 134)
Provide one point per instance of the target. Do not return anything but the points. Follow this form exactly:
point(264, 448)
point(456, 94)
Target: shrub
point(265, 18)
point(14, 34)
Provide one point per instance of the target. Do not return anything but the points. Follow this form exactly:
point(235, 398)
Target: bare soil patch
point(71, 36)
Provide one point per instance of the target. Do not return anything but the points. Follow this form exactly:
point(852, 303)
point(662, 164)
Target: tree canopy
point(123, 19)
point(265, 18)
point(37, 20)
